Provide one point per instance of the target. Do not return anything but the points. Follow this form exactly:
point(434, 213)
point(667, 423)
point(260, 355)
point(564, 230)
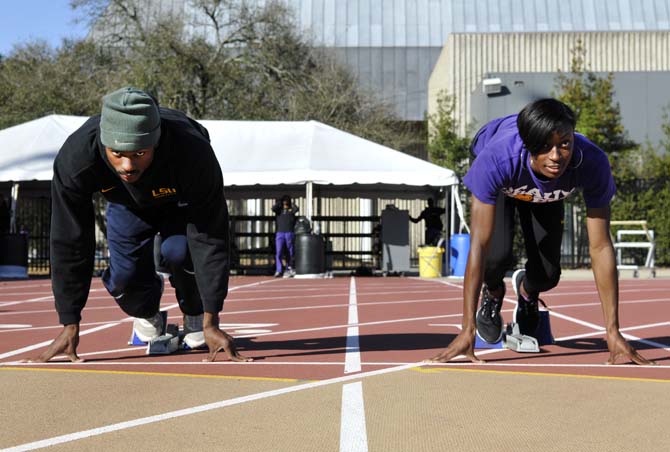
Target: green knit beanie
point(129, 120)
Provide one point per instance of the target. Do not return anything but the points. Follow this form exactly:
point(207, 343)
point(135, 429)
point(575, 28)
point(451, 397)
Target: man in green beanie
point(159, 174)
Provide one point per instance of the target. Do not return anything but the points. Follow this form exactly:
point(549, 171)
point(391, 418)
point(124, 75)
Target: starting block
point(513, 340)
point(163, 345)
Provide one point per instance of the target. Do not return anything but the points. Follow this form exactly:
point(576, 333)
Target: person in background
point(5, 215)
point(431, 215)
point(285, 213)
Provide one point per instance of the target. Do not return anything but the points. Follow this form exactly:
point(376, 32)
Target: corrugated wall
point(467, 58)
point(392, 45)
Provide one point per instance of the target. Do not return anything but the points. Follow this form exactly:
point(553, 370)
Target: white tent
point(27, 150)
point(259, 159)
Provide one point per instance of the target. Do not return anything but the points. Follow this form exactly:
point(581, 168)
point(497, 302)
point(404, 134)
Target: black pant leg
point(130, 277)
point(500, 254)
point(175, 256)
point(542, 226)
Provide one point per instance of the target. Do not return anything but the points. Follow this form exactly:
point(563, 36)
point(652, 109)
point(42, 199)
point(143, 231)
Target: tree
point(234, 59)
point(592, 99)
point(445, 147)
point(37, 80)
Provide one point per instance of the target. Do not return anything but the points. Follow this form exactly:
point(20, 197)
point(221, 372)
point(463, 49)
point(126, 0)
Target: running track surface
point(318, 329)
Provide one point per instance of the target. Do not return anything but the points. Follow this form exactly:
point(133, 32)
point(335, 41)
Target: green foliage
point(640, 172)
point(36, 80)
point(225, 59)
point(592, 99)
point(445, 147)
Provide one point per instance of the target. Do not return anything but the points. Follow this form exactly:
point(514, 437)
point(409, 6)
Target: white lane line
point(31, 300)
point(323, 363)
point(353, 437)
point(622, 330)
point(45, 343)
point(353, 351)
point(335, 327)
point(585, 323)
point(319, 363)
point(127, 319)
point(353, 434)
point(556, 365)
point(81, 333)
point(103, 326)
point(199, 409)
point(256, 311)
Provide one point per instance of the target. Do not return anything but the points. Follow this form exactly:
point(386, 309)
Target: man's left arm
point(603, 262)
point(207, 233)
point(208, 241)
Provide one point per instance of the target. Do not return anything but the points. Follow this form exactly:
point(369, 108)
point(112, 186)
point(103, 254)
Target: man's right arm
point(72, 246)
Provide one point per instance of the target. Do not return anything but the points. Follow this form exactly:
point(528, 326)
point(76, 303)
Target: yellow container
point(430, 261)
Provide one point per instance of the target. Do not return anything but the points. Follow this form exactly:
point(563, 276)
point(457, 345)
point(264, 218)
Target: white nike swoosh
point(182, 204)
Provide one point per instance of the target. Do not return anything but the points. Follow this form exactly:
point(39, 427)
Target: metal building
point(526, 64)
point(393, 45)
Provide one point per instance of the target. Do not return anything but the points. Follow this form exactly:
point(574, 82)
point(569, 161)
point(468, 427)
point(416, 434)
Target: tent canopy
point(256, 157)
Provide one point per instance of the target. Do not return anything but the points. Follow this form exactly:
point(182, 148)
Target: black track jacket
point(184, 170)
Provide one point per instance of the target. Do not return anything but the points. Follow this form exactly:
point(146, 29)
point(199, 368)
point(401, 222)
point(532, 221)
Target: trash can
point(459, 247)
point(430, 261)
point(14, 256)
point(310, 256)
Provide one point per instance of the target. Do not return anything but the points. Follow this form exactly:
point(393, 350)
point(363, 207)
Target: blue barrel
point(459, 247)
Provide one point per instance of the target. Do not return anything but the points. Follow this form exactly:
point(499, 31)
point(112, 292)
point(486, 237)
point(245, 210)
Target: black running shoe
point(527, 313)
point(489, 321)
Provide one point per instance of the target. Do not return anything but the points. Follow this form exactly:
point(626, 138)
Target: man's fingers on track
point(472, 357)
point(241, 359)
point(76, 359)
point(641, 360)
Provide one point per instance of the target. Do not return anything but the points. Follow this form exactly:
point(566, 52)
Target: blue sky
point(51, 20)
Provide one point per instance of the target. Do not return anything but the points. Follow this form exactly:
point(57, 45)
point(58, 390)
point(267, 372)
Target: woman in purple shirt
point(529, 163)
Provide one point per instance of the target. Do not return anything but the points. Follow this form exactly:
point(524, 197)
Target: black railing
point(351, 242)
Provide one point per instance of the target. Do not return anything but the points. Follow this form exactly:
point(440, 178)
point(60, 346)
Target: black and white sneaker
point(489, 321)
point(527, 312)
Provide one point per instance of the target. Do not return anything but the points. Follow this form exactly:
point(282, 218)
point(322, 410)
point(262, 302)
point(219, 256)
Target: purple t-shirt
point(502, 164)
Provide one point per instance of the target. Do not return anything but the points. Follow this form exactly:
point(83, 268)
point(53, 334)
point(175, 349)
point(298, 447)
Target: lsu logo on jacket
point(163, 192)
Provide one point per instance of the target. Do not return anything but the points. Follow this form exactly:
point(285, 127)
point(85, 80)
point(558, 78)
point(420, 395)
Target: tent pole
point(452, 219)
point(308, 200)
point(12, 208)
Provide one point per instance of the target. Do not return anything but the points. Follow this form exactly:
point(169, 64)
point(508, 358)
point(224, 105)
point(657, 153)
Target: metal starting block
point(514, 340)
point(163, 345)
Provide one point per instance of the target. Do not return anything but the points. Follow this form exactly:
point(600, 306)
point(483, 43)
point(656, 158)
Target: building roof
point(426, 23)
point(392, 45)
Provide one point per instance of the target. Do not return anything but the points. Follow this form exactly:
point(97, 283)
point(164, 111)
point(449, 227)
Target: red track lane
point(297, 328)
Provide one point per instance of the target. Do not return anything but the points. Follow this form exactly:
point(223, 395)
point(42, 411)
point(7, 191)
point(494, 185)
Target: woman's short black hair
point(540, 119)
